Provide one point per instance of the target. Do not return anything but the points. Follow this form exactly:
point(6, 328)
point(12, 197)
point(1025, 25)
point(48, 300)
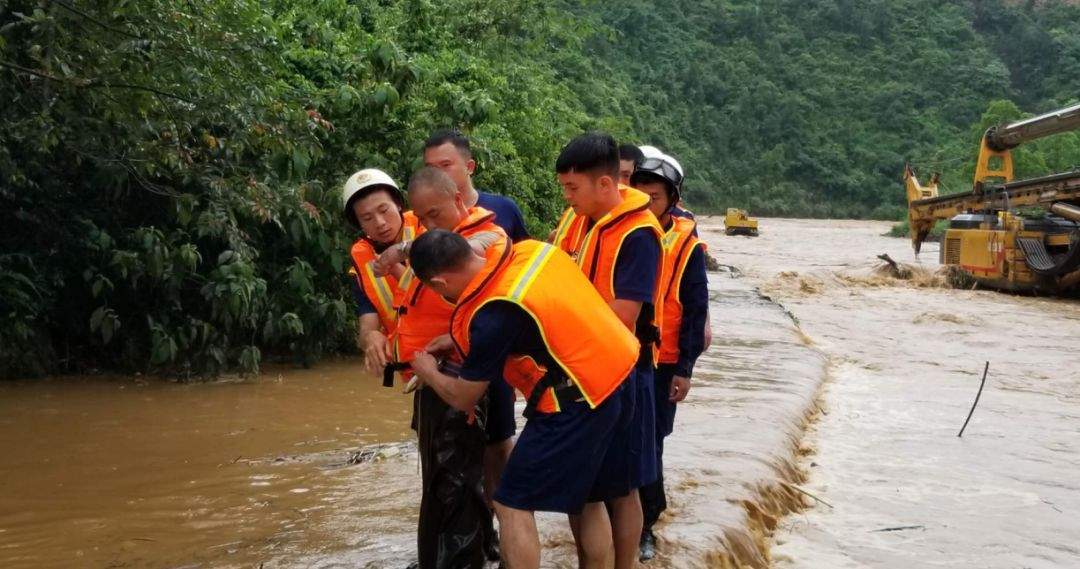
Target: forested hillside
point(169, 171)
point(812, 108)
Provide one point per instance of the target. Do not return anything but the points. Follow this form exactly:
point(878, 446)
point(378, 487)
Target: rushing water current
point(317, 468)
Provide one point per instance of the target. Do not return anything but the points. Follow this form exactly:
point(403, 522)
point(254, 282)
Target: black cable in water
point(977, 395)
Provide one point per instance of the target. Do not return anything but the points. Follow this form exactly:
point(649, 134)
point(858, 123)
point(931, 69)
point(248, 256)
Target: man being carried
point(615, 240)
point(526, 313)
point(685, 294)
point(450, 151)
point(455, 522)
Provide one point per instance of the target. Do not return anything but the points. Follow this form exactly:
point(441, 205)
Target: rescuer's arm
point(634, 281)
point(627, 311)
point(694, 297)
point(374, 343)
point(369, 335)
point(458, 393)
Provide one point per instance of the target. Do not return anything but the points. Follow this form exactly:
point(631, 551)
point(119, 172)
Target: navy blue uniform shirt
point(694, 296)
point(497, 331)
point(507, 215)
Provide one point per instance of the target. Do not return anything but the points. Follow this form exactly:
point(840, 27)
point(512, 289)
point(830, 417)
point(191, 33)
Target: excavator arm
point(1059, 193)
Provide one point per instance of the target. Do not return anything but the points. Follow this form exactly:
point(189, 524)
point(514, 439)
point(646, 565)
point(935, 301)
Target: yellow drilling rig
point(987, 237)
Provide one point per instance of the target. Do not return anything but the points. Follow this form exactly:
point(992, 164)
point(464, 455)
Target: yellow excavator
point(987, 238)
point(738, 222)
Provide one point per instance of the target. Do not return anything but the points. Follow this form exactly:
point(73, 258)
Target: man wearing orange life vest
point(454, 522)
point(372, 203)
point(685, 294)
point(527, 313)
point(615, 240)
point(451, 152)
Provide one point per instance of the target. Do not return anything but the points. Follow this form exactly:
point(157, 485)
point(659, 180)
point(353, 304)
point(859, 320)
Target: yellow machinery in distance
point(738, 222)
point(986, 238)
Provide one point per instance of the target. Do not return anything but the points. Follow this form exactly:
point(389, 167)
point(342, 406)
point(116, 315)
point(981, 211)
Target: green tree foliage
point(169, 171)
point(812, 108)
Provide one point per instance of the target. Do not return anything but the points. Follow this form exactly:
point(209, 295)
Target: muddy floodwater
point(826, 378)
point(905, 359)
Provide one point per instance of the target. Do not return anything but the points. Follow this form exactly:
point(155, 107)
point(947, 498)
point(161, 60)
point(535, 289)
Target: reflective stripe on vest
point(384, 292)
point(678, 243)
point(591, 345)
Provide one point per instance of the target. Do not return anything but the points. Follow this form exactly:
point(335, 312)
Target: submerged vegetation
point(169, 171)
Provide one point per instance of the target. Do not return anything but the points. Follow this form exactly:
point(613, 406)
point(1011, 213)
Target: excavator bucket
point(919, 226)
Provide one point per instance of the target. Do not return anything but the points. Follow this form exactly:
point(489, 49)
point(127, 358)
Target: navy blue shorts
point(645, 425)
point(500, 424)
point(557, 458)
point(615, 479)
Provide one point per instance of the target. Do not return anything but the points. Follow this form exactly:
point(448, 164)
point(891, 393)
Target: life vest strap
point(389, 371)
point(564, 390)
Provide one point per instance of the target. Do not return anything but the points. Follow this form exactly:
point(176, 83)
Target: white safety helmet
point(363, 183)
point(650, 151)
point(662, 167)
point(675, 163)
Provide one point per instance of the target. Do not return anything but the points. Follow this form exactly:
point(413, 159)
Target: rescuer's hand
point(393, 255)
point(376, 352)
point(680, 386)
point(424, 365)
point(441, 345)
point(708, 334)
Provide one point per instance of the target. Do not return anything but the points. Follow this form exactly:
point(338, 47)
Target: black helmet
point(664, 168)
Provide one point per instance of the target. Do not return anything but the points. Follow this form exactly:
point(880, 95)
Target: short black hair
point(453, 136)
point(591, 153)
point(631, 152)
point(438, 251)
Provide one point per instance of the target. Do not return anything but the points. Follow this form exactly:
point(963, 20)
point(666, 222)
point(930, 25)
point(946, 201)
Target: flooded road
point(128, 473)
point(905, 361)
point(316, 468)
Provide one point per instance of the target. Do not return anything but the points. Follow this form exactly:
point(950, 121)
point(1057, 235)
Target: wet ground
point(315, 468)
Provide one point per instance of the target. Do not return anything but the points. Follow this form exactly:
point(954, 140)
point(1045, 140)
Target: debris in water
point(898, 528)
point(801, 491)
point(898, 271)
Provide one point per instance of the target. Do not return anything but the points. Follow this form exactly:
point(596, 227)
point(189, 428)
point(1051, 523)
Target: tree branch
point(79, 12)
point(77, 82)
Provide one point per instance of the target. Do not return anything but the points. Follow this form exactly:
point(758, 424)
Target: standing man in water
point(450, 151)
point(609, 230)
point(527, 313)
point(455, 520)
point(372, 203)
point(685, 294)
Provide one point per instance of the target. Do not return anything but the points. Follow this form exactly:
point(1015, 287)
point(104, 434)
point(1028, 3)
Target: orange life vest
point(678, 243)
point(593, 348)
point(423, 314)
point(596, 248)
point(383, 291)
